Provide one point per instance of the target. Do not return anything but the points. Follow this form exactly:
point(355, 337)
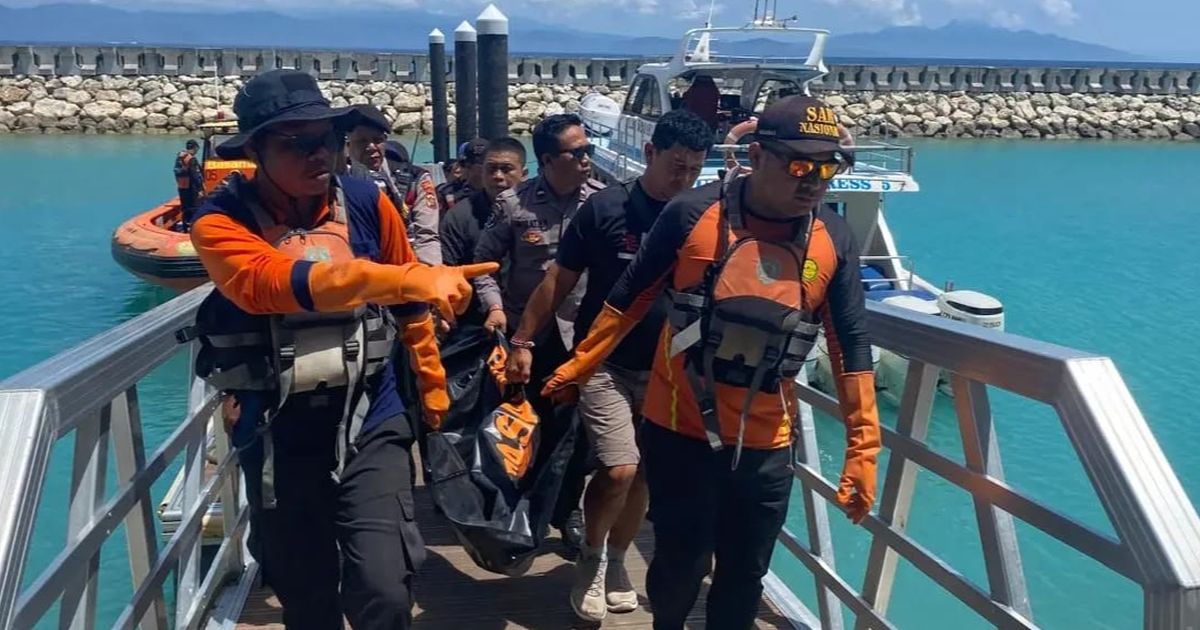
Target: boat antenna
point(755, 10)
point(711, 4)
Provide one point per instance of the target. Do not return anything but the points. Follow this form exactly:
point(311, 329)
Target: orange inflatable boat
point(147, 245)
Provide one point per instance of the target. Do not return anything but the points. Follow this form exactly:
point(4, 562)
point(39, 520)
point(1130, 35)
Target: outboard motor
point(972, 307)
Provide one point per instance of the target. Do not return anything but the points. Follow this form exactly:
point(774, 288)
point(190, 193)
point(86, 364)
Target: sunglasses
point(578, 153)
point(800, 168)
point(304, 146)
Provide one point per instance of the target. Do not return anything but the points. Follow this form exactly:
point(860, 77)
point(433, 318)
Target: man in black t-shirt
point(601, 240)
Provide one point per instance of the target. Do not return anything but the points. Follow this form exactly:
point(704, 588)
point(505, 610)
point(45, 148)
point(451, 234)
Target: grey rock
point(52, 110)
point(99, 110)
point(133, 114)
point(12, 94)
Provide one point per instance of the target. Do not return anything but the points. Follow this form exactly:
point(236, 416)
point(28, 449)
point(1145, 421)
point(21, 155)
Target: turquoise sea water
point(1088, 245)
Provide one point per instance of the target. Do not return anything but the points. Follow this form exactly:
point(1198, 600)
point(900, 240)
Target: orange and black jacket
point(187, 172)
point(255, 279)
point(677, 252)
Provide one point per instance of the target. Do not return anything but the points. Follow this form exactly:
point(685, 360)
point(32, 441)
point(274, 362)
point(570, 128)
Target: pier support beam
point(466, 77)
point(493, 73)
point(437, 84)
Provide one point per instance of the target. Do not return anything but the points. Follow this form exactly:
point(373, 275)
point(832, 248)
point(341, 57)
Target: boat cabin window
point(772, 90)
point(644, 99)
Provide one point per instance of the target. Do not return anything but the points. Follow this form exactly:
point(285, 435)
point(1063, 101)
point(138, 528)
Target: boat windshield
point(212, 142)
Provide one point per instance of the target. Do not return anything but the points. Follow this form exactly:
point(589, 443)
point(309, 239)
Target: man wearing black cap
point(310, 271)
point(756, 267)
point(470, 177)
point(410, 189)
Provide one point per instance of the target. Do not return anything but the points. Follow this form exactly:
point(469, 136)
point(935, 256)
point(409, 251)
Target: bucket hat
point(275, 97)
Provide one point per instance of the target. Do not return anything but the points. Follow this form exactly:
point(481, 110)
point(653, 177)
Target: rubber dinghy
point(148, 244)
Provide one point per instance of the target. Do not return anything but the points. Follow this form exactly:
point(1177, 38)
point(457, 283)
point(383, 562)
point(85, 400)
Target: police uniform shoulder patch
point(428, 190)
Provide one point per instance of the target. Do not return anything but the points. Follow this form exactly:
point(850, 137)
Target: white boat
point(731, 90)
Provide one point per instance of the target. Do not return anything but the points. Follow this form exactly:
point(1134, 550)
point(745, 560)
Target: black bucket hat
point(275, 97)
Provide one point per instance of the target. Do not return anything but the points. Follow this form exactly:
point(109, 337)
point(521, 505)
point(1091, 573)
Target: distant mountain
point(968, 40)
point(383, 28)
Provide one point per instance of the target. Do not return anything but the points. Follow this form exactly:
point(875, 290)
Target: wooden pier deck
point(452, 593)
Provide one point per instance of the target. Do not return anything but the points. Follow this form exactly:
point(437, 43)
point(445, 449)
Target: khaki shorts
point(610, 406)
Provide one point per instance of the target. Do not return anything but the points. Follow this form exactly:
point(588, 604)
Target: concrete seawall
point(129, 89)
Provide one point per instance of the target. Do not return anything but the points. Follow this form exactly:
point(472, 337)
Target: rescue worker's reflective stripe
point(745, 333)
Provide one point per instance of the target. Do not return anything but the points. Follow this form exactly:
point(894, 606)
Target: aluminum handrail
point(90, 393)
point(1157, 542)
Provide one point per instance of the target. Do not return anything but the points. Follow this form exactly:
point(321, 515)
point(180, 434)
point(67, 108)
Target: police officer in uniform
point(525, 230)
point(601, 241)
point(410, 189)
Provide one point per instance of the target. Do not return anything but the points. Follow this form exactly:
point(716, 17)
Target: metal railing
point(1157, 543)
point(91, 394)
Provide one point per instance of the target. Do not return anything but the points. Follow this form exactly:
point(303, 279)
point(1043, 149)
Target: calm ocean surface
point(1088, 245)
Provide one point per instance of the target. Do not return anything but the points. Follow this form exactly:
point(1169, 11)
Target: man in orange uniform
point(751, 267)
point(310, 271)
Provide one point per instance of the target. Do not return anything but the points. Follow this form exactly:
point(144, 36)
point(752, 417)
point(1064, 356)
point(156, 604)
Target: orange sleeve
point(261, 280)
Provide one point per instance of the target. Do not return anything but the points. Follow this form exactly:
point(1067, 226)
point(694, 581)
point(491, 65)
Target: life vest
point(281, 356)
point(184, 181)
point(745, 324)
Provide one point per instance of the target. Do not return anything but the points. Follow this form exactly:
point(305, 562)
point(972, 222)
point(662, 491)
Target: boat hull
point(148, 248)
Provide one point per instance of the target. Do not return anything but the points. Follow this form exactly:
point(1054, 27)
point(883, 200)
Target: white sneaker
point(587, 596)
point(620, 595)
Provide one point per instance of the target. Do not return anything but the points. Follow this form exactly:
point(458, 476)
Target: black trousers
point(701, 509)
point(547, 356)
point(187, 202)
point(360, 532)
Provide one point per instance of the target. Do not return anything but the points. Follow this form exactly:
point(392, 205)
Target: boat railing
point(903, 263)
point(86, 399)
point(694, 46)
point(1157, 532)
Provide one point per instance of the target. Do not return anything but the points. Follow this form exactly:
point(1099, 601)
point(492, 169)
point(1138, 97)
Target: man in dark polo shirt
point(602, 240)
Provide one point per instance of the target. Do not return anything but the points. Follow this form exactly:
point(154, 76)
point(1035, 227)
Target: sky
point(1163, 29)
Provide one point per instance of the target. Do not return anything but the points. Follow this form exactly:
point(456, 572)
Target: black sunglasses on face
point(306, 145)
point(578, 153)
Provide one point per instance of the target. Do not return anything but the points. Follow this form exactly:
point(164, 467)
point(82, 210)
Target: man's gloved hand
point(606, 333)
point(446, 288)
point(426, 363)
point(856, 488)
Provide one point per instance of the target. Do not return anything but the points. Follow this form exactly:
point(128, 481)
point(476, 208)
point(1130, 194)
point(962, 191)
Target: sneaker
point(587, 595)
point(620, 595)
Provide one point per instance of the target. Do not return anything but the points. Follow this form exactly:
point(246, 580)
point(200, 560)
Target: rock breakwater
point(160, 104)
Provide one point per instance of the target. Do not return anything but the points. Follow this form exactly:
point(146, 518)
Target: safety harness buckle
point(187, 334)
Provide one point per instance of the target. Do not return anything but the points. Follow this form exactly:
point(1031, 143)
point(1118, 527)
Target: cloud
point(1061, 11)
point(896, 12)
point(1005, 19)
